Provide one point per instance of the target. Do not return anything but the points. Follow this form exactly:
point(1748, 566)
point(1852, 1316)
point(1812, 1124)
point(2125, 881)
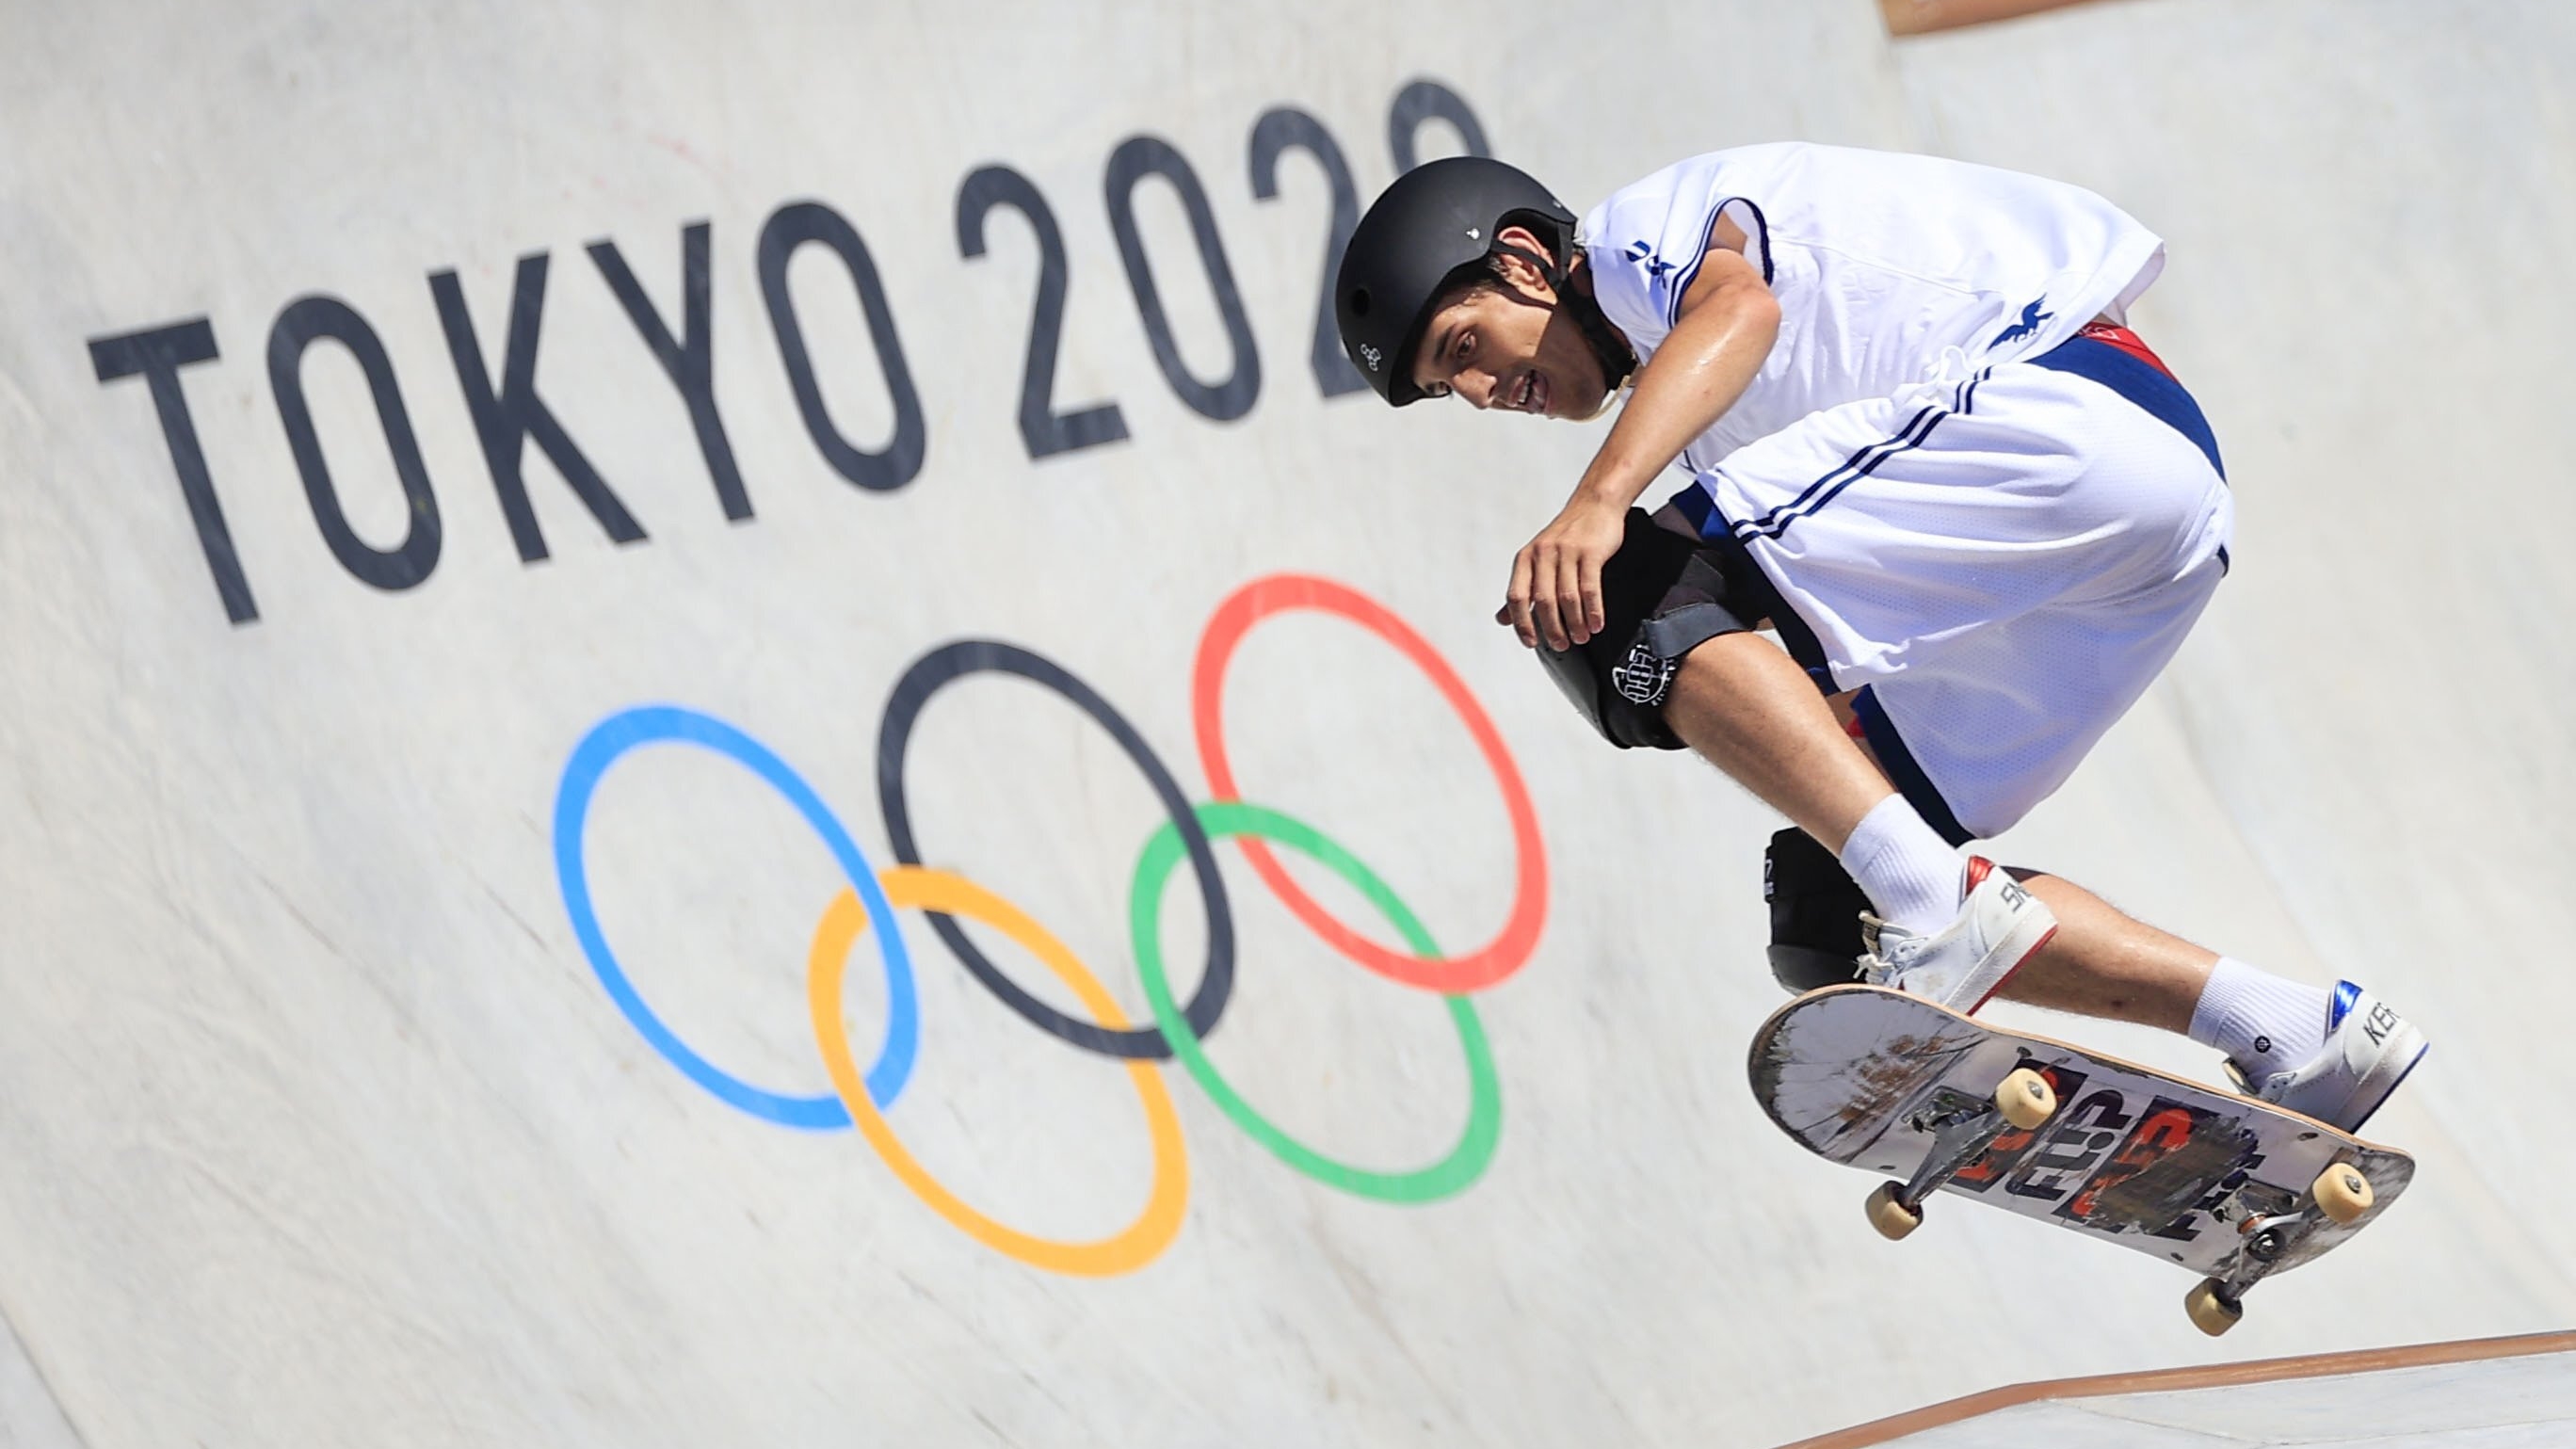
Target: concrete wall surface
point(508, 512)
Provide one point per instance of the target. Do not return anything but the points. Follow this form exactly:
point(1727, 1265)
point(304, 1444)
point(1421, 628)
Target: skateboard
point(2231, 1187)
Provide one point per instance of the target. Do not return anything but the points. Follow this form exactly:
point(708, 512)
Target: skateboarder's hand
point(1556, 581)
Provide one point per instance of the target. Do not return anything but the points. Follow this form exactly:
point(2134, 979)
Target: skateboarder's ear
point(1522, 262)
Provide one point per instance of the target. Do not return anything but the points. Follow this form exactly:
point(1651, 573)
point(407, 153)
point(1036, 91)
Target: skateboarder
point(1979, 512)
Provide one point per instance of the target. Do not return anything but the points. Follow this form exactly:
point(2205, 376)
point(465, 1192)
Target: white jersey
point(1881, 262)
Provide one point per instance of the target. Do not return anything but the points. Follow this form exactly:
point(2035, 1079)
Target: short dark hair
point(1485, 274)
point(1478, 276)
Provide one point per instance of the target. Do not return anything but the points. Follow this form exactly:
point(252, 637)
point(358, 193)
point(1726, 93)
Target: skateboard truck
point(2274, 1225)
point(1962, 1126)
point(2217, 1304)
point(2271, 1222)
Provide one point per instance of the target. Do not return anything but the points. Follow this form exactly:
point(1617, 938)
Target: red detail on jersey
point(2128, 342)
point(1978, 866)
point(1852, 727)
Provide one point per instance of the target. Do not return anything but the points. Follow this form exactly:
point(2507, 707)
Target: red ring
point(1512, 945)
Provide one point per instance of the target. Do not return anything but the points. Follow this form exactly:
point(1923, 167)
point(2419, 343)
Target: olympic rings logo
point(1179, 1029)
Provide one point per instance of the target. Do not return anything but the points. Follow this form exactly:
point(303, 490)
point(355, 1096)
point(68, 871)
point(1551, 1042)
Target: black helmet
point(1430, 230)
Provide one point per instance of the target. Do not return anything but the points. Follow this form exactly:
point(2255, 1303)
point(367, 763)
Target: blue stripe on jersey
point(2140, 382)
point(1682, 279)
point(1904, 771)
point(1859, 465)
point(1761, 234)
point(1703, 514)
point(1695, 505)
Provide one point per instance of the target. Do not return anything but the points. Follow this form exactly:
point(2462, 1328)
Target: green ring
point(1465, 1162)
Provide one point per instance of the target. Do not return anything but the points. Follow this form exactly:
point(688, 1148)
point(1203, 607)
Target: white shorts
point(2002, 565)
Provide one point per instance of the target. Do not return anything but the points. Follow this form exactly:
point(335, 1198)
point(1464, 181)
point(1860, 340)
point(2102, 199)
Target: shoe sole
point(2015, 969)
point(2423, 1049)
point(2410, 1048)
point(2000, 965)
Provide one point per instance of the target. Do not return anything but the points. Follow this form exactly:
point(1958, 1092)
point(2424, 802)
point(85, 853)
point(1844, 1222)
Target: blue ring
point(599, 749)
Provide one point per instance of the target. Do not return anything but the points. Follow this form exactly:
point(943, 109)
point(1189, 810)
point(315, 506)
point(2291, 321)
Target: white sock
point(1904, 866)
point(2261, 1022)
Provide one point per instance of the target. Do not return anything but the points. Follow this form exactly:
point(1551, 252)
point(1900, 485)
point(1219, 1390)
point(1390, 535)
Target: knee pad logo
point(1645, 678)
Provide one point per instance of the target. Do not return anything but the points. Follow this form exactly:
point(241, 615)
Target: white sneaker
point(2000, 925)
point(2369, 1050)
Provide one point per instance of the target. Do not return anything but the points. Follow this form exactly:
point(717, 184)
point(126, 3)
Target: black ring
point(975, 656)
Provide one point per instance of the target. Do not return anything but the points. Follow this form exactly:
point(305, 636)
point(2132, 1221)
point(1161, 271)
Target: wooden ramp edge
point(1921, 17)
point(2258, 1371)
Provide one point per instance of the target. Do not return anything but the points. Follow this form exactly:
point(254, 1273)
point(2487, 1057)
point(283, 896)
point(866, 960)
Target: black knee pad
point(1663, 594)
point(1815, 913)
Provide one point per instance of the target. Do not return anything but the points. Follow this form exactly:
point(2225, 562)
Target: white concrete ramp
point(550, 554)
point(29, 1417)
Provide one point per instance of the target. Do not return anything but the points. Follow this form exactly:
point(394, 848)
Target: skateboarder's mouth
point(1531, 395)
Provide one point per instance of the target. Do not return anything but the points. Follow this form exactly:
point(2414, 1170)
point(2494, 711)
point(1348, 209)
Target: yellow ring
point(937, 890)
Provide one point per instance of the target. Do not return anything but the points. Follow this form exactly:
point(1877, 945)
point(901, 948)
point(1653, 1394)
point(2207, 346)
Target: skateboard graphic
point(2231, 1187)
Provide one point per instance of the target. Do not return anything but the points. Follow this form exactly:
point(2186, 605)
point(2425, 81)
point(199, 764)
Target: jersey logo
point(1371, 356)
point(2028, 326)
point(1655, 266)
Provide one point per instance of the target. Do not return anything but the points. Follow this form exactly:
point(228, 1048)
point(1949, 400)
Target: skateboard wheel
point(2025, 1098)
point(2343, 1194)
point(1893, 1219)
point(2211, 1310)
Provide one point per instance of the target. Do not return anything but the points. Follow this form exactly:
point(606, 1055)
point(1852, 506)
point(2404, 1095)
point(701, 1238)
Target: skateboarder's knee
point(1663, 594)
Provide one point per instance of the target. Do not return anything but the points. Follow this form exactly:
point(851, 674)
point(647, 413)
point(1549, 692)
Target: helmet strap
point(1617, 359)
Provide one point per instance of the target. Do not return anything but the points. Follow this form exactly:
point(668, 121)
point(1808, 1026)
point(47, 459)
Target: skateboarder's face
point(1505, 343)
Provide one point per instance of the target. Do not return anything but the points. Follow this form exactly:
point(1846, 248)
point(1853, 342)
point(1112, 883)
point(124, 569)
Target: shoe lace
point(1871, 967)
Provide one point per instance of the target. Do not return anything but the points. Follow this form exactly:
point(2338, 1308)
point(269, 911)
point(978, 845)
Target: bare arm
point(1728, 321)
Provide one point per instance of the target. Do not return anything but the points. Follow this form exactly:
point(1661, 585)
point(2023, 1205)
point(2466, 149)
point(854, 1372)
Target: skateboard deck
point(2227, 1186)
